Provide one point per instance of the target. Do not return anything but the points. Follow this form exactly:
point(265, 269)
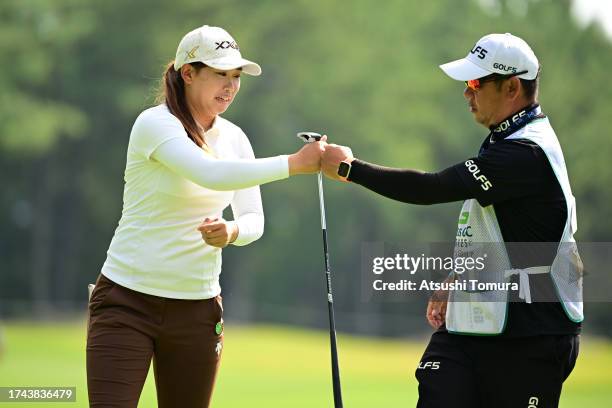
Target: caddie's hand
point(307, 160)
point(436, 308)
point(217, 232)
point(331, 158)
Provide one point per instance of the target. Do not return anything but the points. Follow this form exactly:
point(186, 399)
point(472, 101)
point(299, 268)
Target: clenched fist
point(307, 160)
point(331, 158)
point(217, 232)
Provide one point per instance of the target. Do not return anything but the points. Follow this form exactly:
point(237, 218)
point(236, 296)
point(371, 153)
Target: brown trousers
point(128, 329)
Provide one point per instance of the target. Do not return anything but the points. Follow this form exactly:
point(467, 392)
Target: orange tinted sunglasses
point(475, 84)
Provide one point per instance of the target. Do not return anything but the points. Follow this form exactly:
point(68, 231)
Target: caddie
point(497, 348)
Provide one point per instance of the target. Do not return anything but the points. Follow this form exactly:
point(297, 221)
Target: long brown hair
point(172, 92)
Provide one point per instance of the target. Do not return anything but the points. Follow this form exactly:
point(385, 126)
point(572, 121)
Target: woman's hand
point(218, 232)
point(307, 160)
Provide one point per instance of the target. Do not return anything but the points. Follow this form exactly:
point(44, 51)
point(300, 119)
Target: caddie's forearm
point(410, 186)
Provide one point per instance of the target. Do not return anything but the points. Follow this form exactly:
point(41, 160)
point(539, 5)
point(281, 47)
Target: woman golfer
point(158, 296)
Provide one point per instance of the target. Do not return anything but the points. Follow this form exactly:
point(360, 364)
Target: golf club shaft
point(330, 305)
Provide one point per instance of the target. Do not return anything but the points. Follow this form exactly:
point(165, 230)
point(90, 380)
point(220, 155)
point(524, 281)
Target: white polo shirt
point(171, 185)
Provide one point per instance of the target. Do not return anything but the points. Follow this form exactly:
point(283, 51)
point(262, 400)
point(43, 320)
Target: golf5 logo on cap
point(480, 51)
point(495, 54)
point(504, 49)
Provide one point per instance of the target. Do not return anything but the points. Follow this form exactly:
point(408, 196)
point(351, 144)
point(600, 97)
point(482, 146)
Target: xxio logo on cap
point(482, 53)
point(226, 44)
point(191, 52)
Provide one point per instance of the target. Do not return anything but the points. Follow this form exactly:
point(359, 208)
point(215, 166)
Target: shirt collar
point(213, 131)
point(514, 122)
point(511, 124)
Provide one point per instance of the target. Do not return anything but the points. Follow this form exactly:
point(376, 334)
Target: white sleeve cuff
point(284, 159)
point(250, 228)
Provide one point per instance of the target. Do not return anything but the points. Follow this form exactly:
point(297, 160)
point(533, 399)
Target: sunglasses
point(476, 84)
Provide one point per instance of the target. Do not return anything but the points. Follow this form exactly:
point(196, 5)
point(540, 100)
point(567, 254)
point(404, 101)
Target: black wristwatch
point(344, 169)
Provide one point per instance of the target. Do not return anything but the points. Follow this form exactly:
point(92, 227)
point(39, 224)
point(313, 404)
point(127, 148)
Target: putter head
point(309, 137)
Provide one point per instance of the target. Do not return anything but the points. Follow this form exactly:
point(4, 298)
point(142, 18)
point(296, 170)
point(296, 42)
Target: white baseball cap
point(503, 54)
point(214, 47)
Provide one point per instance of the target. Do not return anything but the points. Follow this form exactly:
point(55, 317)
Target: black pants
point(495, 372)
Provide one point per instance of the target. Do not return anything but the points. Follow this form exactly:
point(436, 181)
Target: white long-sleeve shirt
point(171, 185)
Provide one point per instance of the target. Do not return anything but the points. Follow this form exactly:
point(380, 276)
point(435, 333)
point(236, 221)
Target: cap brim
point(463, 70)
point(248, 67)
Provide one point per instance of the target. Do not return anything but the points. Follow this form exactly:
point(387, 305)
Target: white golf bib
point(485, 312)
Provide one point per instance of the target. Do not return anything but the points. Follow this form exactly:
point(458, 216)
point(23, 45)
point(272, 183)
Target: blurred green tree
point(75, 74)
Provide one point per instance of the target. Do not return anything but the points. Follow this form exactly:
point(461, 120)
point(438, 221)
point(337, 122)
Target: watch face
point(343, 169)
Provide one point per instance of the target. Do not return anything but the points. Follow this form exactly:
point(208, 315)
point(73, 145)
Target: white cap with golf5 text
point(503, 54)
point(214, 47)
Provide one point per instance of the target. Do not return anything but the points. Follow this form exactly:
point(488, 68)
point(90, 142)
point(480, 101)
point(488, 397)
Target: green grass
point(271, 366)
